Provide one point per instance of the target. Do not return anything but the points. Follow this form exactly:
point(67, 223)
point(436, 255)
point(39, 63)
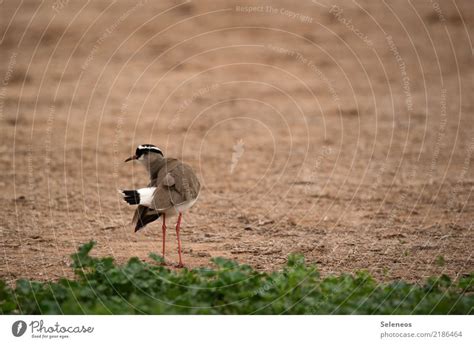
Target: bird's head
point(146, 154)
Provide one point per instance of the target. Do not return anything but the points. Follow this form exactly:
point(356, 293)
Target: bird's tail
point(131, 196)
point(142, 196)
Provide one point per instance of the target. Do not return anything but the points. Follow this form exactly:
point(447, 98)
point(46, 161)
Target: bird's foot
point(180, 265)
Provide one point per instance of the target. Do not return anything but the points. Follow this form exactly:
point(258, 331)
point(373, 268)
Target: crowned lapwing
point(173, 189)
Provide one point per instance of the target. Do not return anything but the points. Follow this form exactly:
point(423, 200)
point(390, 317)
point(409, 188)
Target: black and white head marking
point(142, 150)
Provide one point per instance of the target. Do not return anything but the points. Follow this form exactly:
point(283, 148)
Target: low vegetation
point(103, 287)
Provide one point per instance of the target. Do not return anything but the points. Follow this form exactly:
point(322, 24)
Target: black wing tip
point(142, 222)
point(132, 197)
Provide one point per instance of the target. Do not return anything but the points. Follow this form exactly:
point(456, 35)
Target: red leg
point(163, 228)
point(178, 224)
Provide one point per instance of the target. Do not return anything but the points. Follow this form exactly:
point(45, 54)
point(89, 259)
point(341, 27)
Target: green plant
point(103, 287)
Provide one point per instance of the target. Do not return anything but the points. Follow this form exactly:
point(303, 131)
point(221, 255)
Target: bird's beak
point(133, 157)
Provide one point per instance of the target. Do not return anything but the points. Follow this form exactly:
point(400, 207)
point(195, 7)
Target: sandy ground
point(345, 133)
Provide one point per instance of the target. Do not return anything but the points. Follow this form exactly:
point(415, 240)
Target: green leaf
point(103, 287)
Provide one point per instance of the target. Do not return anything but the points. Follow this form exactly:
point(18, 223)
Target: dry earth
point(345, 133)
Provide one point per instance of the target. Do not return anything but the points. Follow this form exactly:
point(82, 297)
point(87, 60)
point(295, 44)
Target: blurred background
point(341, 130)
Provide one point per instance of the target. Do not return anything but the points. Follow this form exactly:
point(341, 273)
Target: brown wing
point(176, 183)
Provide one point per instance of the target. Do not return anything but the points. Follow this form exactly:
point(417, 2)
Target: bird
point(173, 189)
